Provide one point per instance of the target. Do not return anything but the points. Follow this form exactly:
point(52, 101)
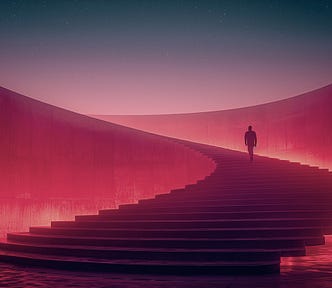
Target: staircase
point(240, 219)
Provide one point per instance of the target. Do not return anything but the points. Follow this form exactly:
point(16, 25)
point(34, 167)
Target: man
point(250, 139)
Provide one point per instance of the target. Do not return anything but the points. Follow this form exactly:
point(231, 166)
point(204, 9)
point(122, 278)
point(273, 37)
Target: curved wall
point(55, 164)
point(298, 128)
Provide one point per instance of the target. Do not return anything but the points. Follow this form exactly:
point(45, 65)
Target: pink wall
point(55, 164)
point(298, 128)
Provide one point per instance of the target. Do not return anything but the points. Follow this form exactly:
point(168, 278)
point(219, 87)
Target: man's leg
point(251, 152)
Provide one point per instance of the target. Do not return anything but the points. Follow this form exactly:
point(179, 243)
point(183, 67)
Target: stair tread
point(142, 249)
point(200, 220)
point(165, 238)
point(133, 262)
point(176, 229)
point(206, 212)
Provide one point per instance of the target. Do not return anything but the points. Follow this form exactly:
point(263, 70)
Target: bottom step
point(148, 267)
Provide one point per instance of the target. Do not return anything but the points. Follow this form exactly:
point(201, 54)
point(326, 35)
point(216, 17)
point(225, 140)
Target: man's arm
point(255, 139)
point(245, 138)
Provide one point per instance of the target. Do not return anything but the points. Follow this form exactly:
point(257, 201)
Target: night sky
point(151, 57)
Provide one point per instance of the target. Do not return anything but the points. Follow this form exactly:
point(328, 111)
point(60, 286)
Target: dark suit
point(250, 140)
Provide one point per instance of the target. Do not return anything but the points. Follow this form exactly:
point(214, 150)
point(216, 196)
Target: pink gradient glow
point(295, 129)
point(137, 85)
point(55, 164)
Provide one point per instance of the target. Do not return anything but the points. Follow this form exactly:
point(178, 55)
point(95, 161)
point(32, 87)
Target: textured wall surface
point(55, 164)
point(298, 128)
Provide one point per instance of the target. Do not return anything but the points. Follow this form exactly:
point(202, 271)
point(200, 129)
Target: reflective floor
point(311, 271)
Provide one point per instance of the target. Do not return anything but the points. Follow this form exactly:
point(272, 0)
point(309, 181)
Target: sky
point(159, 57)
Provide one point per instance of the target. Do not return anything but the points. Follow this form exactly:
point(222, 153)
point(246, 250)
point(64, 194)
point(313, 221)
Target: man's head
point(249, 128)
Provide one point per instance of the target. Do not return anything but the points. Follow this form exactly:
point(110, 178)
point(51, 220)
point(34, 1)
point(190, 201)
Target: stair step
point(223, 194)
point(266, 185)
point(184, 224)
point(225, 198)
point(198, 233)
point(170, 254)
point(143, 266)
point(225, 208)
point(142, 215)
point(300, 181)
point(266, 242)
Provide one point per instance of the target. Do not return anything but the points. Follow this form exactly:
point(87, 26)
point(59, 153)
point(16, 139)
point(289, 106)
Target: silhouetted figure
point(250, 139)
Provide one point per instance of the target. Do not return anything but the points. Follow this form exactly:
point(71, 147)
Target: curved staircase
point(240, 219)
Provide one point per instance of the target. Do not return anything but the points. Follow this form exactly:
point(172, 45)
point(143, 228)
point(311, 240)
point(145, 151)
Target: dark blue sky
point(138, 57)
